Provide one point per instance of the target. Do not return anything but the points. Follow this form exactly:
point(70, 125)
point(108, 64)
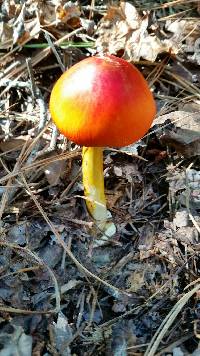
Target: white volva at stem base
point(93, 181)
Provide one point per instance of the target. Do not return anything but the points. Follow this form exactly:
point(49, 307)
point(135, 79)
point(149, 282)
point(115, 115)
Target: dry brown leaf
point(187, 235)
point(112, 199)
point(165, 245)
point(146, 241)
point(23, 37)
point(181, 218)
point(184, 188)
point(123, 29)
point(53, 172)
point(184, 135)
point(5, 35)
point(178, 29)
point(138, 278)
point(114, 28)
point(147, 47)
point(131, 15)
point(13, 143)
point(88, 25)
point(47, 13)
point(136, 281)
point(128, 171)
point(67, 12)
point(31, 29)
point(18, 30)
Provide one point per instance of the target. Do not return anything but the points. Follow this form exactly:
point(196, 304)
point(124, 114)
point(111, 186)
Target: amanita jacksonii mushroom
point(98, 102)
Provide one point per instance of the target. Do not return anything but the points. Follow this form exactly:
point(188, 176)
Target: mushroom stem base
point(93, 181)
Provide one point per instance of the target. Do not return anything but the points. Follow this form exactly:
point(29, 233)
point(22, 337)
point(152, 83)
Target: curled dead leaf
point(123, 30)
point(13, 143)
point(67, 12)
point(5, 35)
point(184, 133)
point(54, 171)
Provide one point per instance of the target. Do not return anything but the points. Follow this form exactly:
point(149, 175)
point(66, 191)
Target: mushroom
point(99, 102)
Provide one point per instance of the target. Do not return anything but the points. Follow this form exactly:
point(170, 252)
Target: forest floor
point(60, 293)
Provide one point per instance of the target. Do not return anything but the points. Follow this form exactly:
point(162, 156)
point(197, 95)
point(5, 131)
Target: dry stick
point(31, 76)
point(167, 322)
point(17, 180)
point(31, 153)
point(40, 163)
point(39, 57)
point(146, 303)
point(41, 263)
point(70, 185)
point(37, 96)
point(43, 117)
point(136, 346)
point(18, 47)
point(81, 304)
point(51, 45)
point(91, 14)
point(185, 83)
point(62, 243)
point(176, 15)
point(21, 270)
point(174, 344)
point(11, 84)
point(157, 72)
point(54, 136)
point(8, 69)
point(123, 151)
point(172, 3)
point(42, 54)
point(168, 116)
point(33, 143)
point(8, 195)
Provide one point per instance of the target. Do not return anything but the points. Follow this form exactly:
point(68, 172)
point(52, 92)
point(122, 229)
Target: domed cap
point(102, 101)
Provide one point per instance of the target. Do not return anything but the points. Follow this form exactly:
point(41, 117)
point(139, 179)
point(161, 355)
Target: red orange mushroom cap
point(102, 101)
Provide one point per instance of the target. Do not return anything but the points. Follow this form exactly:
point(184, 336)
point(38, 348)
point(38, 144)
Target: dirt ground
point(60, 292)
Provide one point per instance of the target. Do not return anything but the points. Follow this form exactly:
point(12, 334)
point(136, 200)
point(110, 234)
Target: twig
point(9, 68)
point(31, 76)
point(37, 95)
point(167, 322)
point(28, 151)
point(41, 163)
point(42, 54)
point(13, 83)
point(54, 136)
point(51, 45)
point(83, 269)
point(175, 344)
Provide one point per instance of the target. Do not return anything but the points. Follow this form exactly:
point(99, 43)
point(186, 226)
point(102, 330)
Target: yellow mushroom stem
point(93, 182)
